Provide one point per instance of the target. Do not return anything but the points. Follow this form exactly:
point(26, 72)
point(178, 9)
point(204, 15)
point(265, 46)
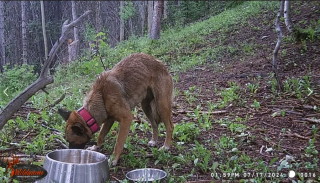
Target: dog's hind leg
point(149, 109)
point(163, 102)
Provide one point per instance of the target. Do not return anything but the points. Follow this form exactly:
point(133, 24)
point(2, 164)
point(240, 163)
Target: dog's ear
point(78, 129)
point(64, 113)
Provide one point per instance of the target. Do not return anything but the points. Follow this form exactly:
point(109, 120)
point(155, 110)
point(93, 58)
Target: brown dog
point(138, 78)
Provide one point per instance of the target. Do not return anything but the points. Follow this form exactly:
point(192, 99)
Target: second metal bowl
point(146, 175)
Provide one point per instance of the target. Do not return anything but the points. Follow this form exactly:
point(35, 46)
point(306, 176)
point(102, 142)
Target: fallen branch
point(43, 80)
point(8, 149)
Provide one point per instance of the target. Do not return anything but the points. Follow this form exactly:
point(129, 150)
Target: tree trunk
point(287, 17)
point(142, 10)
point(121, 22)
point(165, 10)
point(24, 33)
point(150, 15)
point(73, 47)
point(98, 18)
point(44, 30)
point(276, 49)
point(156, 21)
point(2, 40)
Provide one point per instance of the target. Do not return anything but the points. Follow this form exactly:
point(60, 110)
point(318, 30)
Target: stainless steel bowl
point(75, 166)
point(146, 175)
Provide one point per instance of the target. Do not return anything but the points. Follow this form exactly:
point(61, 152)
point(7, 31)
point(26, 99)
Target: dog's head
point(77, 132)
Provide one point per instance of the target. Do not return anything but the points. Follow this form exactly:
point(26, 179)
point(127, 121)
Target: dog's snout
point(76, 146)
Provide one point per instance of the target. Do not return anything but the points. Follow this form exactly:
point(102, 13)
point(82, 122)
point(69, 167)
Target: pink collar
point(91, 122)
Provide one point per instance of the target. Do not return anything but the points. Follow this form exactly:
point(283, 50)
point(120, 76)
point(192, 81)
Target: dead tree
point(287, 17)
point(276, 49)
point(74, 46)
point(44, 79)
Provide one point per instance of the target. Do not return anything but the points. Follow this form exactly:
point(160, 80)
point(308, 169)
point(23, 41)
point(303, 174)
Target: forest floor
point(238, 109)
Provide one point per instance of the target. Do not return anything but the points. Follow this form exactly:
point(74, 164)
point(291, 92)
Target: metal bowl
point(146, 175)
point(75, 166)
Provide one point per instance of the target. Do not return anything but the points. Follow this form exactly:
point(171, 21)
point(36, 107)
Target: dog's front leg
point(122, 136)
point(102, 134)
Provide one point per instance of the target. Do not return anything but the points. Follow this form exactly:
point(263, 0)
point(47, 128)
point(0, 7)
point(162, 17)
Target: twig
point(51, 129)
point(296, 135)
point(202, 112)
point(116, 179)
point(286, 147)
point(61, 144)
point(271, 125)
point(26, 135)
point(312, 120)
point(57, 101)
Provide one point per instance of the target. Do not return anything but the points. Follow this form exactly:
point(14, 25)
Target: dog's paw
point(112, 163)
point(165, 148)
point(93, 148)
point(152, 143)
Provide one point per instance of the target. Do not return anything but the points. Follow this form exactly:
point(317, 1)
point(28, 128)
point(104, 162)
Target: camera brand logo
point(24, 172)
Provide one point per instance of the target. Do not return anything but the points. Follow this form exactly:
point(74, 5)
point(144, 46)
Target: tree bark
point(44, 30)
point(165, 10)
point(2, 40)
point(287, 17)
point(24, 33)
point(276, 49)
point(98, 17)
point(150, 15)
point(142, 10)
point(43, 80)
point(73, 48)
point(121, 22)
point(156, 21)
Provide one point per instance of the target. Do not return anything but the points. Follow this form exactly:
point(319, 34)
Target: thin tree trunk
point(24, 32)
point(150, 15)
point(44, 30)
point(74, 17)
point(2, 40)
point(121, 22)
point(142, 11)
point(73, 47)
point(156, 21)
point(287, 17)
point(165, 10)
point(98, 18)
point(276, 49)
